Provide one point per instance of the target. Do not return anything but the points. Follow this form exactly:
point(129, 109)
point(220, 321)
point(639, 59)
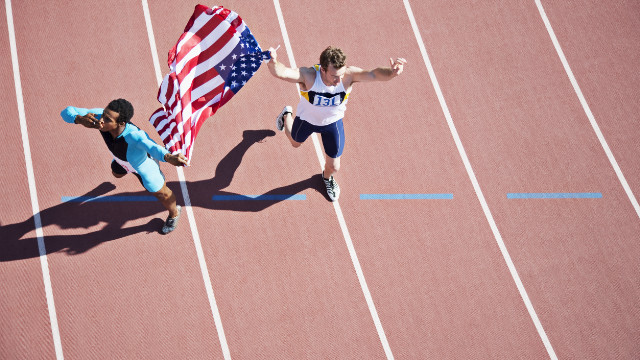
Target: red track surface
point(284, 281)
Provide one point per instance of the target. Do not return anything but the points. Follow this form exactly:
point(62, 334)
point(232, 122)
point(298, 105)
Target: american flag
point(213, 59)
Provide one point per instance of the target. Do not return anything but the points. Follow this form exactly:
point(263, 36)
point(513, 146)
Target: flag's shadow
point(84, 215)
point(201, 192)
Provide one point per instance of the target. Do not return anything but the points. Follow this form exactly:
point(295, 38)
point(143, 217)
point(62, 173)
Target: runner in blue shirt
point(133, 151)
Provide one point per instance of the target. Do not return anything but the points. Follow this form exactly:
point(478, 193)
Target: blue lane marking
point(112, 198)
point(259, 197)
point(554, 195)
point(404, 196)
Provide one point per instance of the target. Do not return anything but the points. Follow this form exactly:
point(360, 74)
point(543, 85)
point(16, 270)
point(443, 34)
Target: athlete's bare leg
point(288, 125)
point(168, 200)
point(331, 167)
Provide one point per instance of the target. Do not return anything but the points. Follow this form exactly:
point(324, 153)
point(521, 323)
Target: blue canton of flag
point(242, 63)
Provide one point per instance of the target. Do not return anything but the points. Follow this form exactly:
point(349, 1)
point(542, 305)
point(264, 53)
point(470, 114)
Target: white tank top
point(322, 105)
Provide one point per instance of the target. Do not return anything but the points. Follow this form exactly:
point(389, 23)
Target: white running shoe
point(333, 190)
point(280, 118)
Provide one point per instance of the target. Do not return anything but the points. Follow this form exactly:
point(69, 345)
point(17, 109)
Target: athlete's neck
point(117, 131)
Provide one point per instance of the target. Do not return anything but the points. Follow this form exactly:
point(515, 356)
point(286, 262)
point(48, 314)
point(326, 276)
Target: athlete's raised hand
point(397, 66)
point(88, 121)
point(273, 53)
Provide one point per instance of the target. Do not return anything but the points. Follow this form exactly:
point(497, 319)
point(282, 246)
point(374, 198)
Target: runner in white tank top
point(324, 91)
point(322, 105)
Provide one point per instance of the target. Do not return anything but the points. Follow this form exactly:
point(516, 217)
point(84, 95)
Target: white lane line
point(44, 264)
point(338, 210)
point(476, 186)
point(587, 110)
point(187, 202)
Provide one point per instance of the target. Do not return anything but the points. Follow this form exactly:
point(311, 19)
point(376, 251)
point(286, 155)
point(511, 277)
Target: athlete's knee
point(294, 143)
point(333, 166)
point(115, 174)
point(163, 194)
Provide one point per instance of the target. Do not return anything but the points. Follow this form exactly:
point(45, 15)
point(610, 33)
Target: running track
point(486, 107)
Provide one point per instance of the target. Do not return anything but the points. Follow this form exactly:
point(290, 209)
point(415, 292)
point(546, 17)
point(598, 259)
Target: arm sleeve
point(70, 112)
point(143, 142)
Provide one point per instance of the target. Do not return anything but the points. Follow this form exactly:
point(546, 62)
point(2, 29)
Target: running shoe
point(171, 222)
point(333, 190)
point(280, 118)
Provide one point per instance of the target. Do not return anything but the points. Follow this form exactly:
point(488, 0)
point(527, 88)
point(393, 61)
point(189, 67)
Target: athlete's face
point(109, 120)
point(332, 76)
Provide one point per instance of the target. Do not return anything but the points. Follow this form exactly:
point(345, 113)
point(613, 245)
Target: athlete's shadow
point(83, 215)
point(201, 192)
point(73, 215)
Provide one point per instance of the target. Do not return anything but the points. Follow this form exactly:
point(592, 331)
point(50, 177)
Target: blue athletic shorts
point(149, 174)
point(332, 135)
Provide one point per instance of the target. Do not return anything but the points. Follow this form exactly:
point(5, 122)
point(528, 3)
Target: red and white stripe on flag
point(194, 90)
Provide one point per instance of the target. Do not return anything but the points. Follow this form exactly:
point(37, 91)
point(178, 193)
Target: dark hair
point(123, 108)
point(334, 56)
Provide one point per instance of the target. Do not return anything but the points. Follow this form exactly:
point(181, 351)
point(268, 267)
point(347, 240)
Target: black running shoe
point(171, 222)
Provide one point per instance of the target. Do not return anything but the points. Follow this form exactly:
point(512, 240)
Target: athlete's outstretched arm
point(86, 117)
point(378, 74)
point(294, 75)
point(144, 142)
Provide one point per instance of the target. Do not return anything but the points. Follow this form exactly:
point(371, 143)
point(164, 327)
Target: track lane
point(525, 131)
point(120, 287)
point(433, 268)
point(283, 279)
point(600, 42)
point(25, 330)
